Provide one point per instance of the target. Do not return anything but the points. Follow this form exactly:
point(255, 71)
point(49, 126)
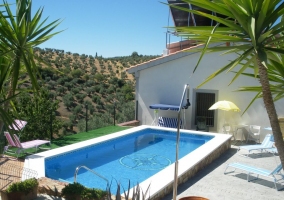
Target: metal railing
point(82, 166)
point(11, 172)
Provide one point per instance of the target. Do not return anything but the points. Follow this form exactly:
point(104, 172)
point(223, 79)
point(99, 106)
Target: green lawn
point(79, 137)
point(71, 139)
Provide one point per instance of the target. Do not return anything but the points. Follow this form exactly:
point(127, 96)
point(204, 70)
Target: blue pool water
point(133, 157)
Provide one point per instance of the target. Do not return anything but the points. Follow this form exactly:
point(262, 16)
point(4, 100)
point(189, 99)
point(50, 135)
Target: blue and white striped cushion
point(168, 122)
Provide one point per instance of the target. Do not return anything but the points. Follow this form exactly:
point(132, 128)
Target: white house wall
point(164, 83)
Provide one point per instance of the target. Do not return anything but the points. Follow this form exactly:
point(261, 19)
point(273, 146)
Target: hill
point(89, 83)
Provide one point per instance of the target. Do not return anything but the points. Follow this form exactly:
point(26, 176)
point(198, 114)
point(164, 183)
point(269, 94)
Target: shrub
point(25, 186)
point(37, 109)
point(85, 193)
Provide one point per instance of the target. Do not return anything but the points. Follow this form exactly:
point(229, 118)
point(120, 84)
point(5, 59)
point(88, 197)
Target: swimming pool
point(133, 157)
point(160, 164)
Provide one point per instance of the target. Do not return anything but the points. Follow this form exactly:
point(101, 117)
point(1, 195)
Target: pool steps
point(97, 174)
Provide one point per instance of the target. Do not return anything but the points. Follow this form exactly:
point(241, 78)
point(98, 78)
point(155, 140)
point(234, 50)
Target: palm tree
point(19, 34)
point(254, 29)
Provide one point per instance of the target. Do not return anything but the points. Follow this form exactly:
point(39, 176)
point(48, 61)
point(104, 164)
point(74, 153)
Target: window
point(203, 101)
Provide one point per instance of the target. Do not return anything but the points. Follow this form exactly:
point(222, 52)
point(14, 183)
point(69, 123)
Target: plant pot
point(19, 195)
point(193, 198)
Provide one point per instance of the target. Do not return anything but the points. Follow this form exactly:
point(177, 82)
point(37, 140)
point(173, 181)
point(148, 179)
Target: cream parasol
point(225, 105)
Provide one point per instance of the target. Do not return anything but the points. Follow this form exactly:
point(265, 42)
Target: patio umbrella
point(226, 106)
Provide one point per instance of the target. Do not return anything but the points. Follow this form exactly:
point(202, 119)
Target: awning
point(164, 107)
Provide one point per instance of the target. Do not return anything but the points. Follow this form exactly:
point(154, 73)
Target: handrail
point(82, 166)
point(185, 90)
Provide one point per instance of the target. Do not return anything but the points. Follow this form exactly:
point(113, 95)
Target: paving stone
point(212, 183)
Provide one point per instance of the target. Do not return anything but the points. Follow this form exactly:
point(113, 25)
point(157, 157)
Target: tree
point(90, 90)
point(20, 33)
point(60, 90)
point(68, 100)
point(37, 110)
point(275, 75)
point(80, 97)
point(134, 54)
point(77, 110)
point(254, 29)
point(128, 90)
point(76, 73)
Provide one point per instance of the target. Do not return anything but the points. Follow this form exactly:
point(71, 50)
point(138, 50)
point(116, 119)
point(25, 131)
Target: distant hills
point(78, 80)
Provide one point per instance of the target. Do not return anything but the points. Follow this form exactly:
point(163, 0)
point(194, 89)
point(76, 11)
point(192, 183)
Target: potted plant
point(24, 190)
point(76, 191)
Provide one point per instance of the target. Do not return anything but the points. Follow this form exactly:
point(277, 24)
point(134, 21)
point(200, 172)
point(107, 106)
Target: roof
point(161, 60)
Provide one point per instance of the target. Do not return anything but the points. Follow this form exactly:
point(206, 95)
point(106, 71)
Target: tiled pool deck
point(211, 182)
point(214, 185)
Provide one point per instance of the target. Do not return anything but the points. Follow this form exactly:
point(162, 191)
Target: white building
point(162, 81)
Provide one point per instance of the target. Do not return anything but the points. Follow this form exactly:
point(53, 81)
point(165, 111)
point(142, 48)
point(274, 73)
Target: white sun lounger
point(267, 143)
point(258, 171)
point(272, 150)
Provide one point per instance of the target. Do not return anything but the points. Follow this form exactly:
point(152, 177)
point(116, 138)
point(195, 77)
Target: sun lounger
point(272, 150)
point(267, 143)
point(258, 171)
point(11, 143)
point(22, 146)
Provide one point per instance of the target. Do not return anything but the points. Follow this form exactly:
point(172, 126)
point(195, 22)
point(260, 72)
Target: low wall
point(130, 123)
point(191, 172)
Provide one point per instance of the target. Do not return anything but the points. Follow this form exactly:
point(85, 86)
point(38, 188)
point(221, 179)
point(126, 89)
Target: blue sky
point(110, 28)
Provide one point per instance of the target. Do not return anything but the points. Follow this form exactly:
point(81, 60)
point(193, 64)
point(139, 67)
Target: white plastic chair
point(228, 129)
point(254, 133)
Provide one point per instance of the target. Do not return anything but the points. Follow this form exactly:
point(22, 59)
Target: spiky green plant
point(275, 73)
point(19, 34)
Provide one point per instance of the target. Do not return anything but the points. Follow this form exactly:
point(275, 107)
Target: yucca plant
point(137, 192)
point(19, 34)
point(275, 73)
point(255, 30)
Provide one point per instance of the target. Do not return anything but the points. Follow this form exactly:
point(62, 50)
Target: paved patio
point(214, 185)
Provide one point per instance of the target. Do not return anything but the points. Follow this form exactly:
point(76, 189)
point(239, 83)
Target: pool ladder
point(82, 166)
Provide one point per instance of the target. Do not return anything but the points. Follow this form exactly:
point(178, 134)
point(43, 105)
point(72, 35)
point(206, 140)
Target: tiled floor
point(212, 183)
